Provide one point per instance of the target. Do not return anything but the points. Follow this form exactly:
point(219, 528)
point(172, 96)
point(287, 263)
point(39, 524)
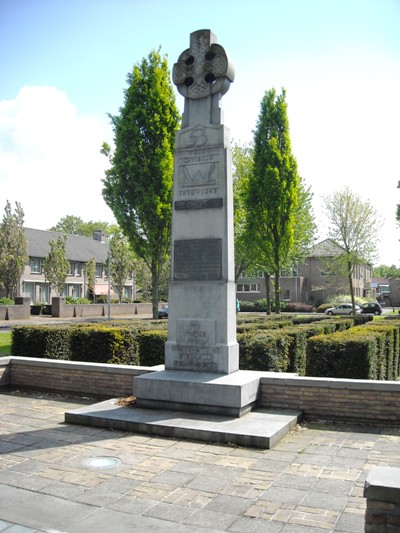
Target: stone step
point(261, 428)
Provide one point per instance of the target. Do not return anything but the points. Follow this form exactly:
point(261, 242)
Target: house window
point(286, 295)
point(248, 287)
point(36, 265)
point(78, 266)
point(99, 270)
point(71, 268)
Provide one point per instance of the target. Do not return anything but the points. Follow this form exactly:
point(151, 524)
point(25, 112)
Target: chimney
point(99, 235)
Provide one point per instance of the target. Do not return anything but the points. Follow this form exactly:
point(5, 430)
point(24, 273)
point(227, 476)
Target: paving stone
point(284, 494)
point(210, 519)
point(229, 504)
point(350, 522)
point(166, 511)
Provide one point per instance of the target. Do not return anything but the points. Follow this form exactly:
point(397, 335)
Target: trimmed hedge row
point(329, 347)
point(368, 352)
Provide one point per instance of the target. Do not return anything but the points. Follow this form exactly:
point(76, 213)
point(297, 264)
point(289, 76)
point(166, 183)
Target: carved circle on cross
point(203, 71)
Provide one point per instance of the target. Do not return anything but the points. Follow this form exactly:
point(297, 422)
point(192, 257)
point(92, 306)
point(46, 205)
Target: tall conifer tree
point(138, 186)
point(273, 190)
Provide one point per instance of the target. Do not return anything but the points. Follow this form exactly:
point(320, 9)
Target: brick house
point(79, 250)
point(311, 282)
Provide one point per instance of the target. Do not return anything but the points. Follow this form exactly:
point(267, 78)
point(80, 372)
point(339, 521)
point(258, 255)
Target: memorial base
point(230, 395)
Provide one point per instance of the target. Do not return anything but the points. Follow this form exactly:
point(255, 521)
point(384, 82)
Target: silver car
point(342, 309)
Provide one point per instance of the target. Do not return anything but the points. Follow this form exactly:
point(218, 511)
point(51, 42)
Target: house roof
point(77, 248)
point(326, 248)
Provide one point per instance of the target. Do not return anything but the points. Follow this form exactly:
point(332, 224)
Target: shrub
point(6, 301)
point(75, 300)
point(341, 355)
point(151, 347)
point(41, 341)
point(298, 307)
point(264, 352)
point(104, 344)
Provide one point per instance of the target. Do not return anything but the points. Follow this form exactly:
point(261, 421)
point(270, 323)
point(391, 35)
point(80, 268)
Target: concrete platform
point(261, 428)
point(230, 395)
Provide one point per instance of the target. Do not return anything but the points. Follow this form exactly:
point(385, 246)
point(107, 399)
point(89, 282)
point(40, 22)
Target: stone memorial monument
point(202, 290)
point(201, 353)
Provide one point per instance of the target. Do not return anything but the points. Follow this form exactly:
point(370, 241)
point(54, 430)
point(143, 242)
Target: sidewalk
point(312, 481)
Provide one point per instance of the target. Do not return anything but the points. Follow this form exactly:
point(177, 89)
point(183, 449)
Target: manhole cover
point(102, 462)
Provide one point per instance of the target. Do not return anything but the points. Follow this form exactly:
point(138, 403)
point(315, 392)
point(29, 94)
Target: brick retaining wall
point(368, 402)
point(92, 379)
point(374, 402)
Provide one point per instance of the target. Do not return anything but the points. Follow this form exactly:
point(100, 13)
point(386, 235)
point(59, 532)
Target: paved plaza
point(55, 477)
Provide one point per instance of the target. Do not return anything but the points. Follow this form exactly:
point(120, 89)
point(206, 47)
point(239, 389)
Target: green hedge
point(42, 341)
point(340, 355)
point(104, 344)
point(151, 347)
point(265, 352)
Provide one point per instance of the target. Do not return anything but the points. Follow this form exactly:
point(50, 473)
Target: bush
point(341, 355)
point(73, 300)
point(41, 341)
point(104, 344)
point(264, 352)
point(151, 347)
point(298, 307)
point(6, 301)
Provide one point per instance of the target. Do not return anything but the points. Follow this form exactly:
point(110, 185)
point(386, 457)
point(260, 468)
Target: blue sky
point(63, 66)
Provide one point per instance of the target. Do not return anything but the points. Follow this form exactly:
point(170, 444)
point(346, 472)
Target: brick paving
point(311, 481)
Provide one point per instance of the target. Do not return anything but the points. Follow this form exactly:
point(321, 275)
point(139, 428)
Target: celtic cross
point(203, 71)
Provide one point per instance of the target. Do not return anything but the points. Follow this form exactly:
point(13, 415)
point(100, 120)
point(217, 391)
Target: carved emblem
point(204, 68)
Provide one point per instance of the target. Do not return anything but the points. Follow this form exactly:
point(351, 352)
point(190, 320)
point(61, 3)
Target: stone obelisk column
point(202, 291)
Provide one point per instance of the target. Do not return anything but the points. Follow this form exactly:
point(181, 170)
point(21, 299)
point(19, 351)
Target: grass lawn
point(5, 344)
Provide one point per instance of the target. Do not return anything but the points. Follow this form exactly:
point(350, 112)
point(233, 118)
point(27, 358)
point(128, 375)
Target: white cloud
point(50, 158)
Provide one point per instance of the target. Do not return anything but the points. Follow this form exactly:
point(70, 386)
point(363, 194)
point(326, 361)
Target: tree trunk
point(154, 288)
point(267, 278)
point(277, 294)
point(350, 274)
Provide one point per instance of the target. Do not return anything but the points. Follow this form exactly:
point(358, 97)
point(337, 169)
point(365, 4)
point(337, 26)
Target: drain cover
point(102, 462)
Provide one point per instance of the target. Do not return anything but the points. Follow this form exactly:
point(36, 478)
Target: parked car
point(163, 312)
point(342, 309)
point(372, 308)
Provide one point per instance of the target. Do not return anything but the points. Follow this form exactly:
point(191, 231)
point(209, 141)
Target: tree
point(386, 271)
point(122, 263)
point(90, 273)
point(273, 191)
point(242, 159)
point(354, 225)
point(138, 186)
point(56, 266)
point(13, 249)
point(72, 225)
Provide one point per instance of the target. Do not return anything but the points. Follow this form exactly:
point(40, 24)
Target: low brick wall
point(91, 379)
point(382, 490)
point(20, 311)
point(369, 402)
point(60, 309)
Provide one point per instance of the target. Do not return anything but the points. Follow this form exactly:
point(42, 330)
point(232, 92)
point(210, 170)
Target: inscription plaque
point(198, 259)
point(208, 203)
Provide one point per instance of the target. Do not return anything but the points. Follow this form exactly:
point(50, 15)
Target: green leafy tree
point(305, 228)
point(55, 265)
point(242, 159)
point(122, 263)
point(90, 275)
point(138, 186)
point(13, 249)
point(354, 225)
point(386, 271)
point(273, 191)
point(72, 225)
